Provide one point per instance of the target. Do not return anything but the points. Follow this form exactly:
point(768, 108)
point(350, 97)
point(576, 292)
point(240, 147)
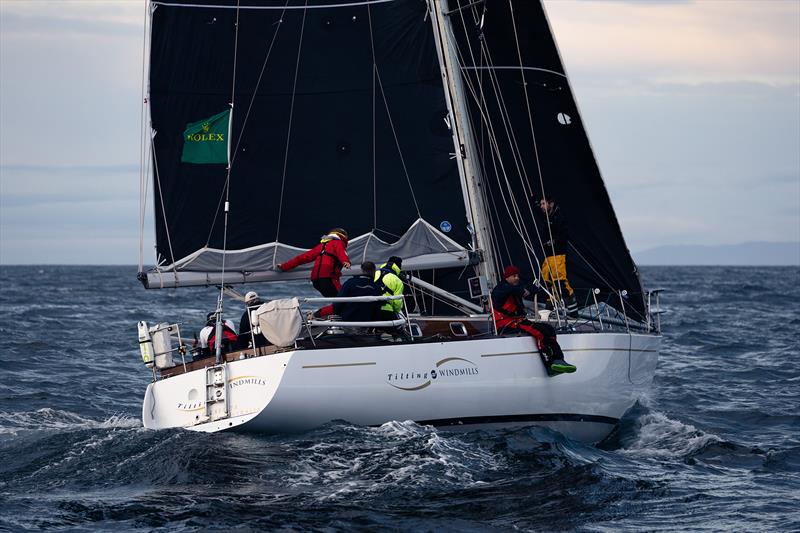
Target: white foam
point(661, 437)
point(394, 456)
point(48, 418)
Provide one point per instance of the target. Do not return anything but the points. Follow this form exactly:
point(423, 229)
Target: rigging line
point(504, 111)
point(456, 133)
point(216, 212)
point(501, 239)
point(462, 8)
point(228, 176)
point(588, 141)
point(161, 197)
point(493, 141)
point(481, 103)
point(535, 144)
point(291, 116)
point(315, 6)
point(530, 115)
point(494, 205)
point(514, 144)
point(472, 57)
point(516, 219)
point(492, 238)
point(609, 285)
point(225, 191)
point(258, 83)
point(142, 146)
point(397, 142)
point(515, 67)
point(146, 188)
point(374, 149)
point(557, 286)
point(515, 148)
point(525, 241)
point(521, 171)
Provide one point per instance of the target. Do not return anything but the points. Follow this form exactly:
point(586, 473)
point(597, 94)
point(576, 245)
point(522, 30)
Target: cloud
point(68, 19)
point(70, 93)
point(692, 107)
point(686, 42)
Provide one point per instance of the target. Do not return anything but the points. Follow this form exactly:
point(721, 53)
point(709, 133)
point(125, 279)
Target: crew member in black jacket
point(361, 285)
point(554, 267)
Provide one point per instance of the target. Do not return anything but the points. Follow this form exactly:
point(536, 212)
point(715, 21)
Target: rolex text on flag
point(206, 141)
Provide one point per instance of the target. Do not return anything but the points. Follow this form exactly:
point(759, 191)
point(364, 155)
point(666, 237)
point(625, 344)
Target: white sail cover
point(280, 321)
point(421, 247)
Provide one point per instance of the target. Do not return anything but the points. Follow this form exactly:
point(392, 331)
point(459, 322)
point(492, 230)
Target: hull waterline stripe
point(504, 419)
point(569, 350)
point(339, 365)
point(507, 353)
point(605, 350)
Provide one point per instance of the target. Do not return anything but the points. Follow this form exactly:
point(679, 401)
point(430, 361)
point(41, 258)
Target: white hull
point(461, 384)
point(496, 382)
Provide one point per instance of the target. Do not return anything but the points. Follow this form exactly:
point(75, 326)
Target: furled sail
point(530, 142)
point(339, 119)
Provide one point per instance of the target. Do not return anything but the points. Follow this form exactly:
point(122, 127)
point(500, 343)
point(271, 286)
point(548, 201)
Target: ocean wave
point(656, 436)
point(49, 418)
point(396, 456)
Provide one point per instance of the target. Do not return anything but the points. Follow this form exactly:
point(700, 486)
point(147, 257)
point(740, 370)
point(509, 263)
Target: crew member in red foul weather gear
point(509, 314)
point(208, 336)
point(330, 257)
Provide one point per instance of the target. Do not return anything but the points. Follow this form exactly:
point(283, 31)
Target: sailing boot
point(560, 366)
point(553, 358)
point(572, 307)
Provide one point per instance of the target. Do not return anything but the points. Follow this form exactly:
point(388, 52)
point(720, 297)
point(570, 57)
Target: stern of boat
point(215, 397)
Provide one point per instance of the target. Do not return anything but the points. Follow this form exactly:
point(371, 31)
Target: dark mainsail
point(339, 119)
point(531, 142)
point(306, 134)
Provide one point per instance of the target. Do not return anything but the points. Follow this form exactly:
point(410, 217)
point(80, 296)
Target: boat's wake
point(398, 467)
point(55, 419)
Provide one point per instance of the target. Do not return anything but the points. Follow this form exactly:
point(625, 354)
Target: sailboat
point(430, 130)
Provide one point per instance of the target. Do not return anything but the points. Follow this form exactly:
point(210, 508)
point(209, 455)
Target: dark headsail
point(319, 138)
point(531, 142)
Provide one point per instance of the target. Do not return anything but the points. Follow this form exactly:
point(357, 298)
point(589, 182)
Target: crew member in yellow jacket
point(387, 277)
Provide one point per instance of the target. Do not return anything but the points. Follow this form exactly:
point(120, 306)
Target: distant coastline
point(744, 254)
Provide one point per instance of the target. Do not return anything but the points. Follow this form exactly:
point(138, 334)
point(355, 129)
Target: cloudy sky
point(692, 106)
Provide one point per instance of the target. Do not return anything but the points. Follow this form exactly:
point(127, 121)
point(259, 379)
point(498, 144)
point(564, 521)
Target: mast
point(463, 140)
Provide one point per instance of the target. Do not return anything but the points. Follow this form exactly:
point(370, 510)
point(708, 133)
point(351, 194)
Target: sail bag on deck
point(280, 321)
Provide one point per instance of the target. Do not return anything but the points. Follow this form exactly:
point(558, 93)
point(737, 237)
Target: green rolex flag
point(206, 141)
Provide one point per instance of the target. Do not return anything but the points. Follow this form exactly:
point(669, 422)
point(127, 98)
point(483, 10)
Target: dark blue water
point(714, 446)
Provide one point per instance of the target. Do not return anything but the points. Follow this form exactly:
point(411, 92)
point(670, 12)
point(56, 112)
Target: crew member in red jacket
point(509, 314)
point(330, 257)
